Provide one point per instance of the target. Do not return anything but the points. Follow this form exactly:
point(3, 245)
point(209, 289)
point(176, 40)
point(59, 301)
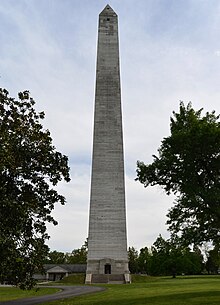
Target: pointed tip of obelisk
point(108, 11)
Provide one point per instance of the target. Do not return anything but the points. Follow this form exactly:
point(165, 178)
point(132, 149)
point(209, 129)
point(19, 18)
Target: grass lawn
point(155, 291)
point(11, 293)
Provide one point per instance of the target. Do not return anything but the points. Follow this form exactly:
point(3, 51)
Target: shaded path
point(67, 292)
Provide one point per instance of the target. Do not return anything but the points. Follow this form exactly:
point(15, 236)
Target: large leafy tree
point(188, 164)
point(30, 168)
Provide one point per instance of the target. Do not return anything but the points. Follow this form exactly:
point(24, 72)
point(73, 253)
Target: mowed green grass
point(144, 290)
point(155, 291)
point(11, 293)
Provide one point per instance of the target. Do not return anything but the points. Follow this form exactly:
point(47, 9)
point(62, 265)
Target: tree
point(30, 168)
point(170, 257)
point(144, 260)
point(78, 256)
point(189, 166)
point(213, 260)
point(133, 260)
point(160, 263)
point(56, 257)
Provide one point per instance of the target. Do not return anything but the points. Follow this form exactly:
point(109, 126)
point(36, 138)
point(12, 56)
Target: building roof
point(65, 268)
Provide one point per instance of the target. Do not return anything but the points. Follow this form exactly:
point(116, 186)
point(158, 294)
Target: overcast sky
point(169, 51)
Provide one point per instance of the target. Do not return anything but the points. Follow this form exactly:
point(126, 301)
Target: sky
point(169, 52)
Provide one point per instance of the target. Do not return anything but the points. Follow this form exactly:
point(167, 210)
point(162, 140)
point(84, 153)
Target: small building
point(55, 272)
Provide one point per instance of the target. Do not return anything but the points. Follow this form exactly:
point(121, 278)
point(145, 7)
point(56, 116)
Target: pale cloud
point(169, 52)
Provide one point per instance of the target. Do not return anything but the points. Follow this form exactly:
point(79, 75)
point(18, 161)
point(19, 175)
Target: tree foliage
point(170, 257)
point(30, 168)
point(56, 257)
point(77, 256)
point(213, 260)
point(133, 260)
point(188, 164)
point(144, 258)
point(166, 257)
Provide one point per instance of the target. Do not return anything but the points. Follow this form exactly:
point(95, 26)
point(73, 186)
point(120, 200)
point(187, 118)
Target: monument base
point(107, 271)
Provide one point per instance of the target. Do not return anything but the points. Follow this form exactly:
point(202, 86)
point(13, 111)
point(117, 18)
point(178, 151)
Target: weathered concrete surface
point(107, 242)
point(66, 292)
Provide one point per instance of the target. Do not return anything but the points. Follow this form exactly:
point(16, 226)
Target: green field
point(155, 291)
point(201, 290)
point(11, 293)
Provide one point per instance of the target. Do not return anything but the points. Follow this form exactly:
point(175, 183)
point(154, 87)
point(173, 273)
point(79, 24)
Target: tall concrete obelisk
point(107, 242)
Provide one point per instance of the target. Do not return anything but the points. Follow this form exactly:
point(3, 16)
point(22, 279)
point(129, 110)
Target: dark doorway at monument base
point(107, 269)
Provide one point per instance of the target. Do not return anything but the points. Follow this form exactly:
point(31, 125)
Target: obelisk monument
point(107, 242)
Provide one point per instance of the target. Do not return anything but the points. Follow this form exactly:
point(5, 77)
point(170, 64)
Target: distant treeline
point(165, 257)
